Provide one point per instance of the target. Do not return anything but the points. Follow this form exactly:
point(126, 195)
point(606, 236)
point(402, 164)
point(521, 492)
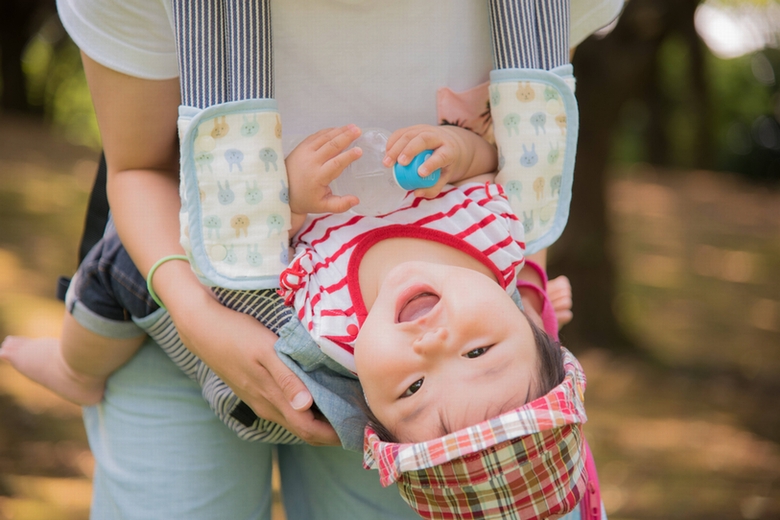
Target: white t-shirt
point(374, 63)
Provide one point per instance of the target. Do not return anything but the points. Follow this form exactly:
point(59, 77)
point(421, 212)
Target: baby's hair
point(550, 371)
point(549, 375)
point(380, 429)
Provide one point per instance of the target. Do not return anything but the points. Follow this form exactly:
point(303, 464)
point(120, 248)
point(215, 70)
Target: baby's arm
point(460, 153)
point(313, 165)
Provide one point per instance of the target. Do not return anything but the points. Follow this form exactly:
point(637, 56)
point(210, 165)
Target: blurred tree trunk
point(704, 148)
point(657, 139)
point(19, 20)
point(610, 72)
point(679, 21)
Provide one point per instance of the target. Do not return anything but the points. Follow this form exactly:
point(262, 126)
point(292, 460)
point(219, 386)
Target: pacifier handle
point(407, 176)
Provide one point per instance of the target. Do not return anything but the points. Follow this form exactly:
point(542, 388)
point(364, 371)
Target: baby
point(418, 303)
point(474, 412)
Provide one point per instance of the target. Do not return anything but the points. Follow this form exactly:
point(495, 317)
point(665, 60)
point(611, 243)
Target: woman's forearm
point(137, 120)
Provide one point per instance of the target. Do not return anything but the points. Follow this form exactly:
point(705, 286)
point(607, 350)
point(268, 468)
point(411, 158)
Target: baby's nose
point(431, 342)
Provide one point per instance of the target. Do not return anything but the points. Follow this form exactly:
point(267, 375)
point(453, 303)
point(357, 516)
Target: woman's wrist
point(179, 289)
point(153, 270)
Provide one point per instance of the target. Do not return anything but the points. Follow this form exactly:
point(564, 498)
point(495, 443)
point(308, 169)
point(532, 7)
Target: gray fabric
point(334, 389)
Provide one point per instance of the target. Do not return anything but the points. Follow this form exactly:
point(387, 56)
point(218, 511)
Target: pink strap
point(590, 506)
point(548, 313)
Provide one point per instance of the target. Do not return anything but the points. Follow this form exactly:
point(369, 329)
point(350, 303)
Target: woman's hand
point(241, 351)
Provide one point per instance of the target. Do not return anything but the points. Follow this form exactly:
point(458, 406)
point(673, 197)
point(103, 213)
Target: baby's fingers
point(560, 294)
point(559, 288)
point(339, 204)
point(335, 141)
point(441, 158)
point(433, 191)
point(564, 317)
point(334, 166)
point(401, 145)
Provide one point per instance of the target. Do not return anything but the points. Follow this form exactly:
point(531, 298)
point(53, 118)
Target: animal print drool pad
point(535, 122)
point(235, 213)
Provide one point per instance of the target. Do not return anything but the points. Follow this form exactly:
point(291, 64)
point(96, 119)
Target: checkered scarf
point(523, 464)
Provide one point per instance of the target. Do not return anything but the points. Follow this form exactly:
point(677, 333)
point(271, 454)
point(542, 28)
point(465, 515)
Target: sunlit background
point(677, 293)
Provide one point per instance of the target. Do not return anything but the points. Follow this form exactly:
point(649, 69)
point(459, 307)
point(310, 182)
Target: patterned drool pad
point(235, 214)
point(536, 123)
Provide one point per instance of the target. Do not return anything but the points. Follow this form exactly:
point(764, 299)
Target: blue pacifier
point(407, 176)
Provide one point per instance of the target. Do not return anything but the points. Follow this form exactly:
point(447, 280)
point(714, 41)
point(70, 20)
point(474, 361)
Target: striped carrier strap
point(229, 127)
point(235, 212)
point(534, 113)
point(536, 123)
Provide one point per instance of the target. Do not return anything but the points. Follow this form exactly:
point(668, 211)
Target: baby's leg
point(75, 367)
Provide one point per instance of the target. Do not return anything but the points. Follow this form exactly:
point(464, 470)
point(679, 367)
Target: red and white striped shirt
point(322, 281)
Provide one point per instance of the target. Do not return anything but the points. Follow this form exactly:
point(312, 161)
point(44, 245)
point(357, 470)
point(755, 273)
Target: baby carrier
point(235, 212)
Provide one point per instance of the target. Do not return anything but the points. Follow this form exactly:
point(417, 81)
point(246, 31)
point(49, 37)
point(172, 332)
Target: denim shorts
point(108, 290)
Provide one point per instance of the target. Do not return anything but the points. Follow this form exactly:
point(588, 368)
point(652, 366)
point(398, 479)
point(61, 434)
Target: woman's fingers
point(294, 391)
point(299, 418)
point(287, 401)
point(312, 430)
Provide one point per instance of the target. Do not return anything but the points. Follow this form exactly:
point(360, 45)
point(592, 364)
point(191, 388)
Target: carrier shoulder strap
point(233, 184)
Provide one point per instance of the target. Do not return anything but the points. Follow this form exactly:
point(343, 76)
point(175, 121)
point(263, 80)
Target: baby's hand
point(313, 165)
point(560, 295)
point(449, 147)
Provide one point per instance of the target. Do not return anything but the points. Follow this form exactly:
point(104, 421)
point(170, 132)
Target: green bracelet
point(157, 264)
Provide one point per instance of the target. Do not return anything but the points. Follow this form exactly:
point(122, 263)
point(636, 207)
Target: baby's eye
point(477, 352)
point(413, 388)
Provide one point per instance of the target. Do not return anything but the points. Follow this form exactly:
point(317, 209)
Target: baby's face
point(443, 348)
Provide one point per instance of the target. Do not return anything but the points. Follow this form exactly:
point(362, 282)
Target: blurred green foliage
point(56, 82)
point(747, 106)
point(744, 105)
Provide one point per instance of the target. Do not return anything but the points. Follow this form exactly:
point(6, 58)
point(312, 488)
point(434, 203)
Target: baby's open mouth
point(417, 306)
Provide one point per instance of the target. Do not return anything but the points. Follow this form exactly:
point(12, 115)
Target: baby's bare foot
point(560, 295)
point(40, 359)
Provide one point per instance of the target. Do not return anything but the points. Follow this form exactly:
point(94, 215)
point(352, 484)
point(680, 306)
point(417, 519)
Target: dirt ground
point(689, 430)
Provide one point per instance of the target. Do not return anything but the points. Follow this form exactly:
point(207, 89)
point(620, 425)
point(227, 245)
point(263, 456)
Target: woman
point(159, 450)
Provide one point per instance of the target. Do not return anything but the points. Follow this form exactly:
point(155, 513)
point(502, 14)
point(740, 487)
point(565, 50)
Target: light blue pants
point(161, 453)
